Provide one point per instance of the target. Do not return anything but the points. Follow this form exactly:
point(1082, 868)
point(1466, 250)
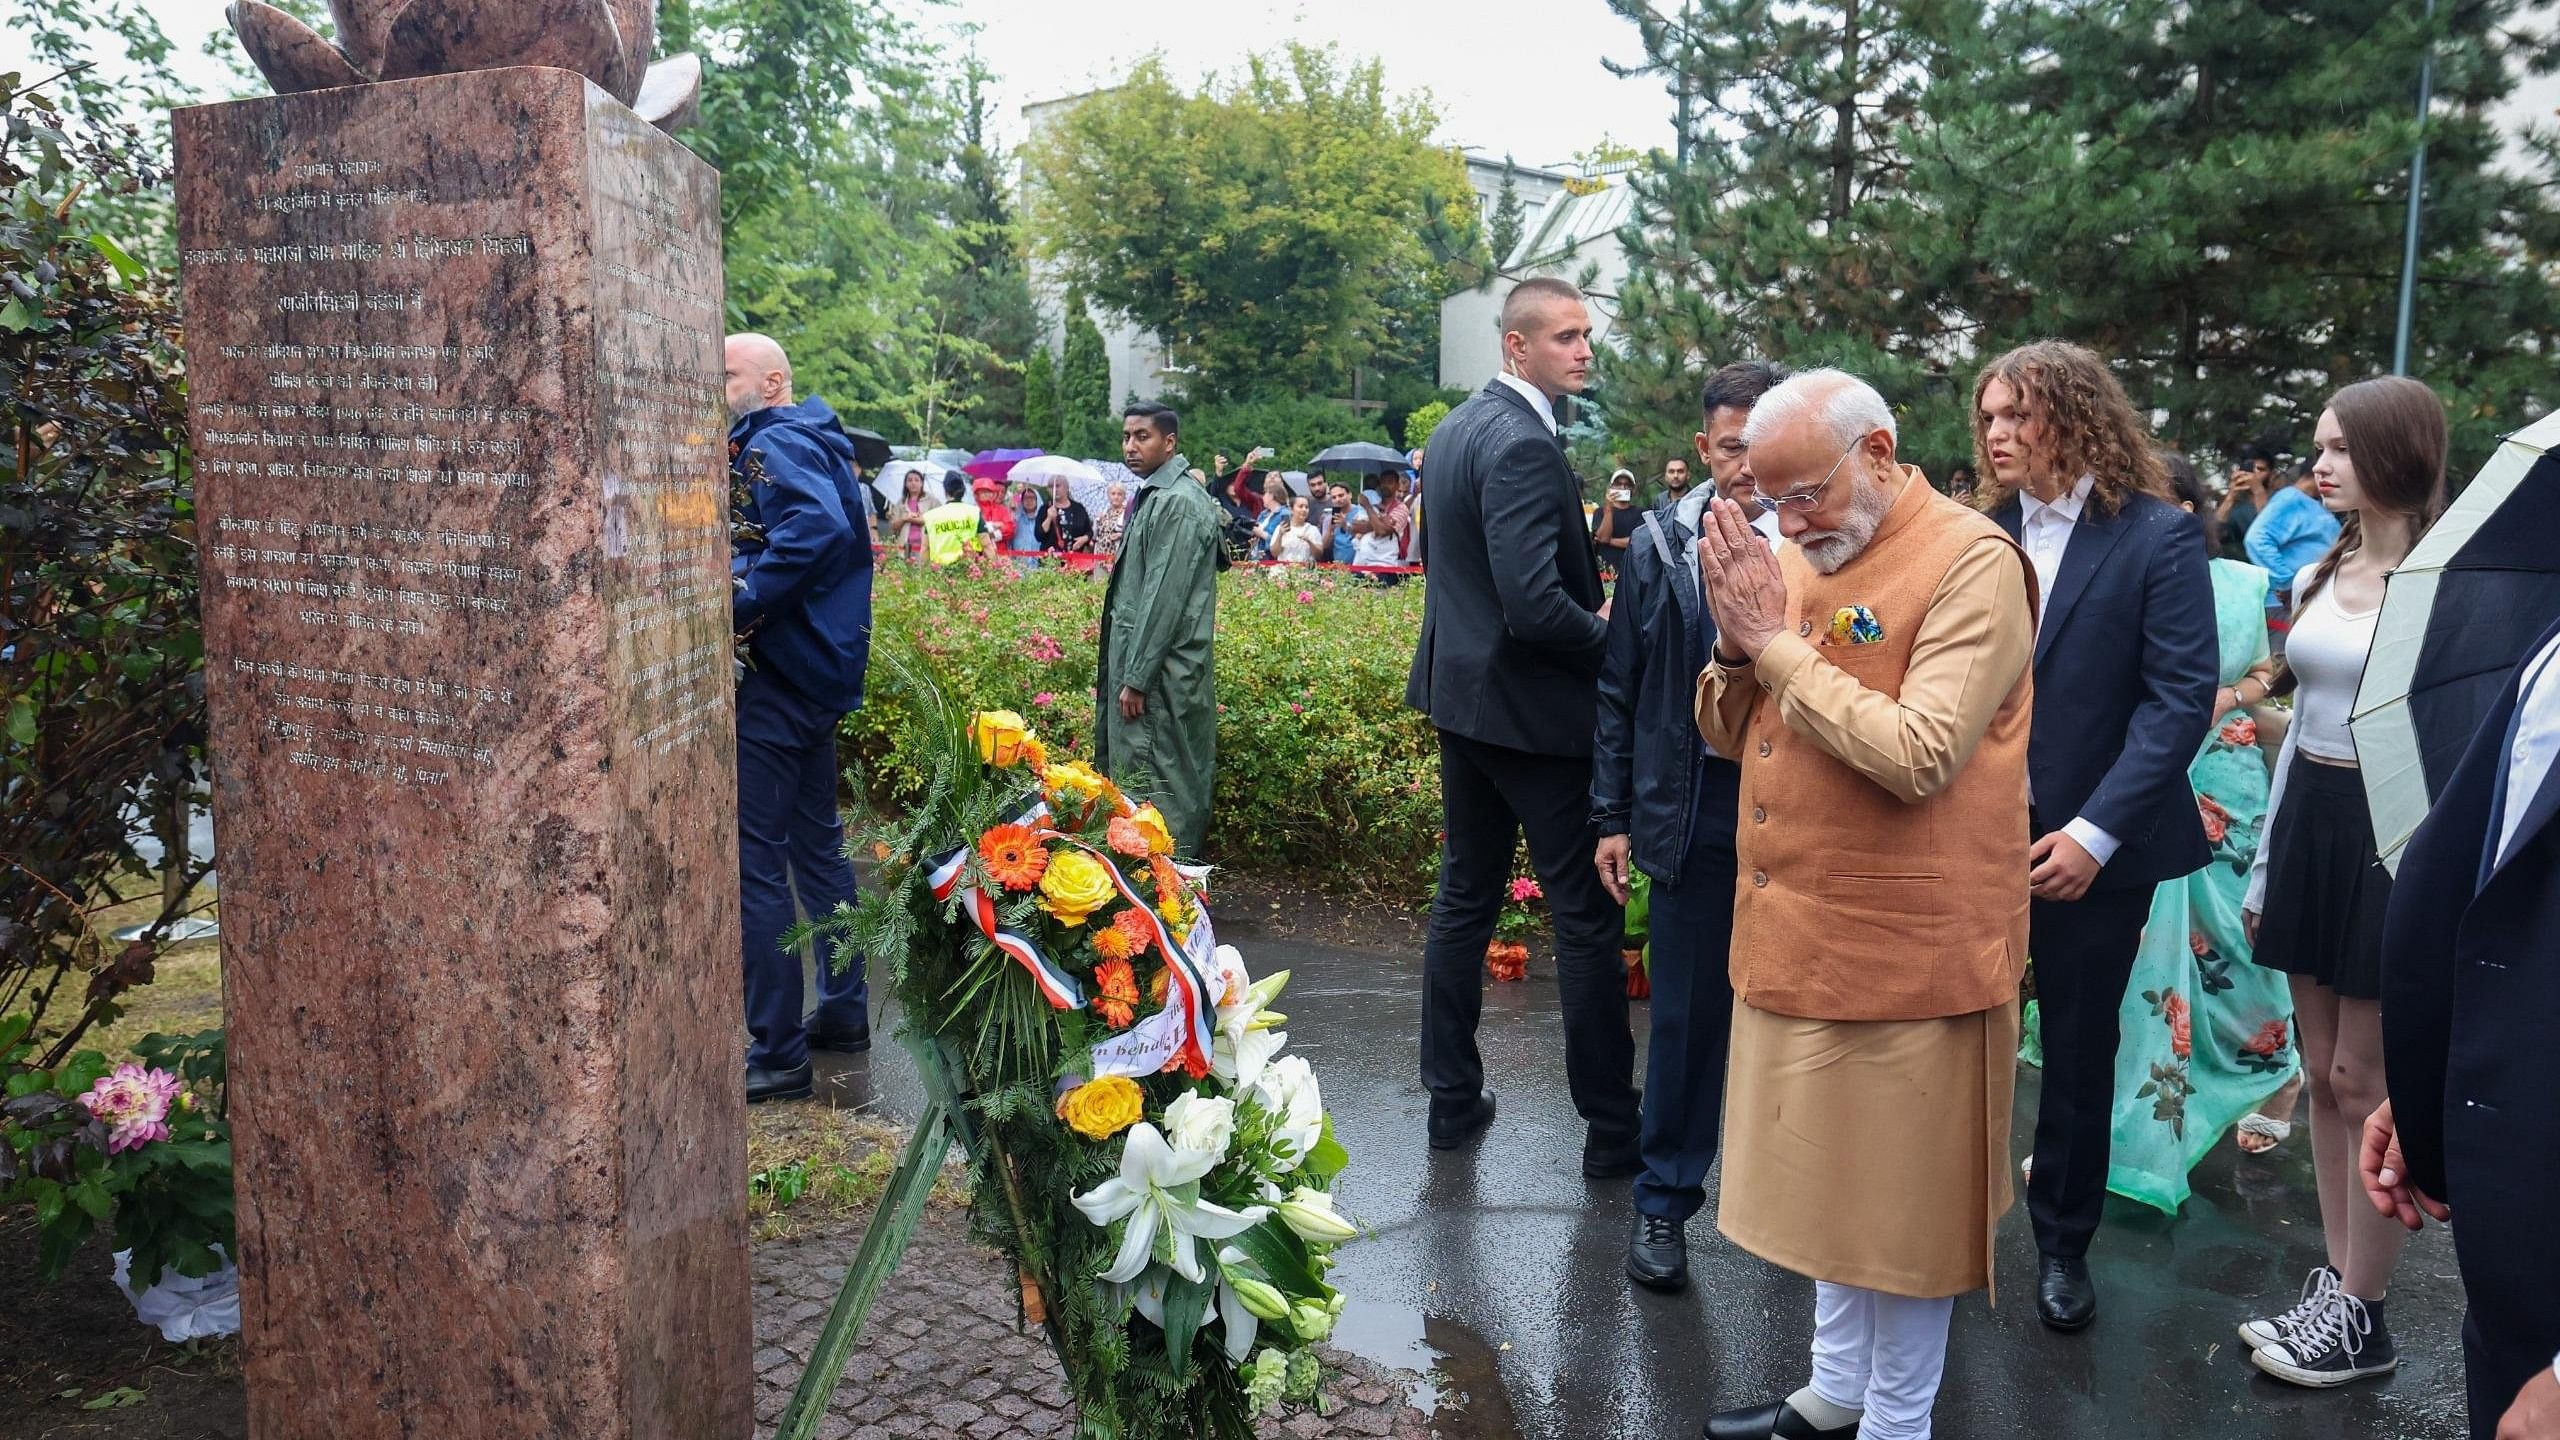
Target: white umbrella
point(2456, 617)
point(1041, 469)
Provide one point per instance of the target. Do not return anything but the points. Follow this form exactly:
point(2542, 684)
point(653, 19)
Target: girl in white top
point(2318, 889)
point(1298, 539)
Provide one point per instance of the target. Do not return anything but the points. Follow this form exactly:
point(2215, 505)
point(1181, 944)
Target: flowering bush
point(1159, 1170)
point(142, 1145)
point(1321, 768)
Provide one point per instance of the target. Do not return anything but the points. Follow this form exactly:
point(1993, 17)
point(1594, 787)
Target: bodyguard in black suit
point(2470, 1006)
point(1506, 669)
point(1665, 804)
point(2125, 664)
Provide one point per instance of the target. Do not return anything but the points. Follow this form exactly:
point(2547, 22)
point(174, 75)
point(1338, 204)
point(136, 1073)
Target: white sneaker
point(2317, 1287)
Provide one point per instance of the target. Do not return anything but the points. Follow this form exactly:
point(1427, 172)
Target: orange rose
point(2173, 1008)
point(2269, 1040)
point(2217, 821)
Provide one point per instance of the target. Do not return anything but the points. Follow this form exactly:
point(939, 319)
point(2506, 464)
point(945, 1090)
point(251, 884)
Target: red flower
point(2173, 1008)
point(2271, 1038)
point(2197, 945)
point(2217, 821)
point(2241, 730)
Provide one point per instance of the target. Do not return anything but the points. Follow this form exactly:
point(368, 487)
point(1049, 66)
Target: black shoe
point(1772, 1422)
point(850, 1041)
point(2065, 1298)
point(763, 1085)
point(1448, 1132)
point(2343, 1340)
point(1602, 1160)
point(1658, 1255)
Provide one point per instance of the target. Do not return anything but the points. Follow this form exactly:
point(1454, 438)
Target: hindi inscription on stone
point(454, 352)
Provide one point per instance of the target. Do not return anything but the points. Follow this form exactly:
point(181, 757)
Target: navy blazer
point(1511, 630)
point(2471, 993)
point(1648, 761)
point(2127, 660)
point(803, 564)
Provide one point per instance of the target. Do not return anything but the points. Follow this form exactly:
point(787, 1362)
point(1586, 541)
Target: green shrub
point(1295, 428)
point(1322, 771)
point(1419, 425)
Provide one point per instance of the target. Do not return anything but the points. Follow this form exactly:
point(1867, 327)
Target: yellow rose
point(1150, 823)
point(1100, 1109)
point(1074, 886)
point(999, 735)
point(1076, 779)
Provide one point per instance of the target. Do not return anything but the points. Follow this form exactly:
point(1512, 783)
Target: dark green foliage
point(1088, 423)
point(1509, 215)
point(1040, 399)
point(1293, 428)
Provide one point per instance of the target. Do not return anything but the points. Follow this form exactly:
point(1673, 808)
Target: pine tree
point(989, 293)
point(1790, 233)
point(1040, 399)
point(2212, 193)
point(1086, 424)
point(1509, 216)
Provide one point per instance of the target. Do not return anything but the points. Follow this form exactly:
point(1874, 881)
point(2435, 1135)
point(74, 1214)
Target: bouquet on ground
point(1159, 1168)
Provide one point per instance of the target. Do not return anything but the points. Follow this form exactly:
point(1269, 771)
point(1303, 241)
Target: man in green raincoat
point(1156, 693)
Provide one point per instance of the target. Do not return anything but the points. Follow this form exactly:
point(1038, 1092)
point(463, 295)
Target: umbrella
point(870, 451)
point(1359, 458)
point(995, 464)
point(2456, 618)
point(1296, 480)
point(891, 483)
point(1041, 469)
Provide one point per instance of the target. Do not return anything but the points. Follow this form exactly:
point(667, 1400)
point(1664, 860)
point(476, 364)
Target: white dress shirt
point(2537, 742)
point(1537, 398)
point(2044, 532)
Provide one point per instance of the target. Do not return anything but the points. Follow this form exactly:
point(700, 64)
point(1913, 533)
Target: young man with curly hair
point(2125, 660)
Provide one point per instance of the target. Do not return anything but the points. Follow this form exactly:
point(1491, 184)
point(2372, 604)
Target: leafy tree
point(1295, 427)
point(105, 68)
point(1419, 425)
point(1792, 232)
point(1257, 226)
point(1088, 425)
point(1040, 399)
point(990, 292)
point(1509, 215)
point(2212, 193)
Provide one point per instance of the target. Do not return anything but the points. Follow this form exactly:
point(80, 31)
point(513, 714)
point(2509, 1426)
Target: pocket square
point(1855, 625)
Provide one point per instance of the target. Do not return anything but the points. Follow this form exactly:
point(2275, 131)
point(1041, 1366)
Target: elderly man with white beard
point(1873, 681)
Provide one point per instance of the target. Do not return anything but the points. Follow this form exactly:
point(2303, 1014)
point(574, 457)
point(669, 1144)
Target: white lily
point(1310, 1213)
point(1234, 1316)
point(1237, 1059)
point(1158, 1191)
point(1287, 1088)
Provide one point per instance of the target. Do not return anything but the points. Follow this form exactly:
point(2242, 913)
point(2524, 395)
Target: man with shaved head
point(1873, 681)
point(801, 577)
point(1508, 669)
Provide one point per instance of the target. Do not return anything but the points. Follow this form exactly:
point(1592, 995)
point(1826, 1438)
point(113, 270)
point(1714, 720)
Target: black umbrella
point(869, 450)
point(1358, 458)
point(2457, 617)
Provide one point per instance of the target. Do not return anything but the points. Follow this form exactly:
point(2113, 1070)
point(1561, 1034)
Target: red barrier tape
point(1073, 560)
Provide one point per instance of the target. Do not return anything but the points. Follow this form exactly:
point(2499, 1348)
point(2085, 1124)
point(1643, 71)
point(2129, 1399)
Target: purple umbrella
point(996, 464)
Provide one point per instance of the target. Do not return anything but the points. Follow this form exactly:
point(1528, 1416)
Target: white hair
point(1846, 406)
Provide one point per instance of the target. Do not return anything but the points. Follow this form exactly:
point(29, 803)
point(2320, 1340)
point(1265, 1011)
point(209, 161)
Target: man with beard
point(802, 579)
point(1664, 804)
point(1156, 690)
point(1873, 679)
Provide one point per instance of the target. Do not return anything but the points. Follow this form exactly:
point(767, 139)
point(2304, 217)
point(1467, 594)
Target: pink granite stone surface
point(454, 352)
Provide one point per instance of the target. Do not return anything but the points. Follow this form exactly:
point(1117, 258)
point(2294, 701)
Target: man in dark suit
point(1665, 804)
point(1512, 631)
point(2470, 1002)
point(2125, 663)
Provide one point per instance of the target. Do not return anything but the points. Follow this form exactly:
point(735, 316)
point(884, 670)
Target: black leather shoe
point(1448, 1132)
point(843, 1042)
point(1658, 1255)
point(1772, 1422)
point(1604, 1161)
point(2065, 1298)
point(763, 1085)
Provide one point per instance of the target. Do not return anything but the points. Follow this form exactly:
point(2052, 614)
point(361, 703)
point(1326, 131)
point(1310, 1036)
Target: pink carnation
point(1525, 889)
point(1306, 597)
point(134, 1104)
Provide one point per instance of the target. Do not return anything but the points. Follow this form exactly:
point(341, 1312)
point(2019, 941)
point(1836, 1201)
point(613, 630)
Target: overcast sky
point(1509, 76)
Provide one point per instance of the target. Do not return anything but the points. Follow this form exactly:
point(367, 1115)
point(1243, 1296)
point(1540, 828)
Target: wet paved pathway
point(1497, 1269)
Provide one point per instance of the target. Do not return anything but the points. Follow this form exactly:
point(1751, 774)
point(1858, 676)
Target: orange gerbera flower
point(1014, 856)
point(1116, 997)
point(1113, 943)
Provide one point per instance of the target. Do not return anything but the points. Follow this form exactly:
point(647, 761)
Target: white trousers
point(1880, 1353)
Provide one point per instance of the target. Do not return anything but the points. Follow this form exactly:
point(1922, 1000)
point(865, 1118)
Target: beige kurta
point(1876, 1153)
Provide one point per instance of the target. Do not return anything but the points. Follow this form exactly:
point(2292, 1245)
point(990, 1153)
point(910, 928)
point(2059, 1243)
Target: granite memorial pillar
point(453, 350)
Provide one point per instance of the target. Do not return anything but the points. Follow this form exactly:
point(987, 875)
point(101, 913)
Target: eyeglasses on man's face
point(1803, 500)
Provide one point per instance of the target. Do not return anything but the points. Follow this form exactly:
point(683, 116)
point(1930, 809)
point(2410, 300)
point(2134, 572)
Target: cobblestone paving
point(941, 1355)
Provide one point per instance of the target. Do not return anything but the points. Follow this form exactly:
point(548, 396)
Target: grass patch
point(811, 1168)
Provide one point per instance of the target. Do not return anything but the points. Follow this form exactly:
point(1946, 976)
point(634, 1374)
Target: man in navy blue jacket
point(802, 603)
point(2470, 1003)
point(2125, 663)
point(1665, 803)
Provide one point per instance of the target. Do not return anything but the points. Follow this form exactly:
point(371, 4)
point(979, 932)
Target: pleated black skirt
point(2326, 888)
